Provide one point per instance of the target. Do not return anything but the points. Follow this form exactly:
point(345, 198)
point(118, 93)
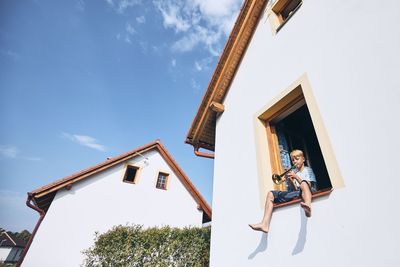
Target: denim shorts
point(286, 196)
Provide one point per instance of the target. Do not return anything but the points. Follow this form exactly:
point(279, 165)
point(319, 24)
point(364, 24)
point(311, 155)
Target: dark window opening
point(205, 218)
point(285, 9)
point(130, 174)
point(289, 9)
point(296, 131)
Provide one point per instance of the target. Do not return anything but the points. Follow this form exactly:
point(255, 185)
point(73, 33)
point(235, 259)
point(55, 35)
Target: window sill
point(320, 193)
point(129, 182)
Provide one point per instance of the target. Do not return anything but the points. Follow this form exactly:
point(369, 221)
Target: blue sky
point(84, 80)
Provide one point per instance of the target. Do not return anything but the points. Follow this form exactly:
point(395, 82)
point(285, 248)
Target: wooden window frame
point(167, 178)
point(136, 178)
point(268, 157)
point(275, 14)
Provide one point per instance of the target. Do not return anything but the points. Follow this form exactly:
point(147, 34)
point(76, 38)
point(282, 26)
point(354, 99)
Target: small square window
point(282, 11)
point(131, 174)
point(162, 181)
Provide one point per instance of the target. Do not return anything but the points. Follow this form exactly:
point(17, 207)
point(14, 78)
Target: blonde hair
point(296, 152)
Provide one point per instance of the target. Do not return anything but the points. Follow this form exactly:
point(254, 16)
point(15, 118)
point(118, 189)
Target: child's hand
point(292, 176)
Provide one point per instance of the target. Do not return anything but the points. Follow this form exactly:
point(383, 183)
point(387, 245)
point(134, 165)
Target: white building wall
point(350, 53)
point(4, 252)
point(103, 201)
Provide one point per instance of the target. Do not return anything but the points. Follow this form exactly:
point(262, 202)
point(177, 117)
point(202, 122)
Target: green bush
point(136, 246)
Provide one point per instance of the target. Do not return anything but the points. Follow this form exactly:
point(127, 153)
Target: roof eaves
point(224, 73)
point(39, 192)
point(185, 180)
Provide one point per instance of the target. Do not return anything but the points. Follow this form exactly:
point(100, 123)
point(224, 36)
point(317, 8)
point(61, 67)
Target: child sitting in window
point(303, 181)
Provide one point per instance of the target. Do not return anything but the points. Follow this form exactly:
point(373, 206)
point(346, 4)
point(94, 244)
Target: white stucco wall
point(103, 201)
point(4, 252)
point(350, 53)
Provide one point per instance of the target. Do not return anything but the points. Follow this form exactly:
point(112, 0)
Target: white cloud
point(173, 62)
point(122, 5)
point(128, 39)
point(80, 5)
point(199, 22)
point(32, 158)
point(10, 53)
point(12, 152)
point(172, 15)
point(203, 64)
point(141, 19)
point(129, 28)
point(129, 32)
point(85, 140)
point(9, 151)
point(195, 86)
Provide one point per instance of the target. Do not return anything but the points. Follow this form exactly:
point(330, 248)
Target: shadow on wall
point(262, 246)
point(300, 244)
point(301, 240)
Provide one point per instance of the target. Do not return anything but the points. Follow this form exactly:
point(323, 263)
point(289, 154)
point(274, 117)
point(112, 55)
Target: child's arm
point(292, 177)
point(291, 181)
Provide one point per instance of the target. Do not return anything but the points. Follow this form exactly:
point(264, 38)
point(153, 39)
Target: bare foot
point(307, 209)
point(259, 227)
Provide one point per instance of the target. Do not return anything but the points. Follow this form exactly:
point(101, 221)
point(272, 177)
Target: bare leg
point(264, 224)
point(306, 195)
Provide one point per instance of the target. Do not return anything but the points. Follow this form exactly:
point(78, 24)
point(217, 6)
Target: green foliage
point(135, 246)
point(23, 235)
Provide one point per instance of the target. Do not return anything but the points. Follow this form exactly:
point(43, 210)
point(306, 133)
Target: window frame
point(275, 14)
point(167, 178)
point(136, 178)
point(268, 155)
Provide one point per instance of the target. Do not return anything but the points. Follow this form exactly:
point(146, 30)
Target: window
point(282, 11)
point(295, 130)
point(292, 121)
point(162, 180)
point(131, 174)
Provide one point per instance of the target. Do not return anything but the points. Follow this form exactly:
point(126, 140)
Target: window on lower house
point(162, 180)
point(131, 174)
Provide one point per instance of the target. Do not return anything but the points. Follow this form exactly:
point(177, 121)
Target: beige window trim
point(269, 162)
point(274, 13)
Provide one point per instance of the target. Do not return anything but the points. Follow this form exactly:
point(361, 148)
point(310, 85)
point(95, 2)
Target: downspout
point(41, 213)
point(202, 154)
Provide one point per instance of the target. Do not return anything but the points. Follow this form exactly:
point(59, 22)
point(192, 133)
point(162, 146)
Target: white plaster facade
point(10, 255)
point(102, 201)
point(349, 50)
point(4, 252)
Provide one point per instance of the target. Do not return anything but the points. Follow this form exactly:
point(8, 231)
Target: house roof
point(44, 195)
point(202, 131)
point(9, 240)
